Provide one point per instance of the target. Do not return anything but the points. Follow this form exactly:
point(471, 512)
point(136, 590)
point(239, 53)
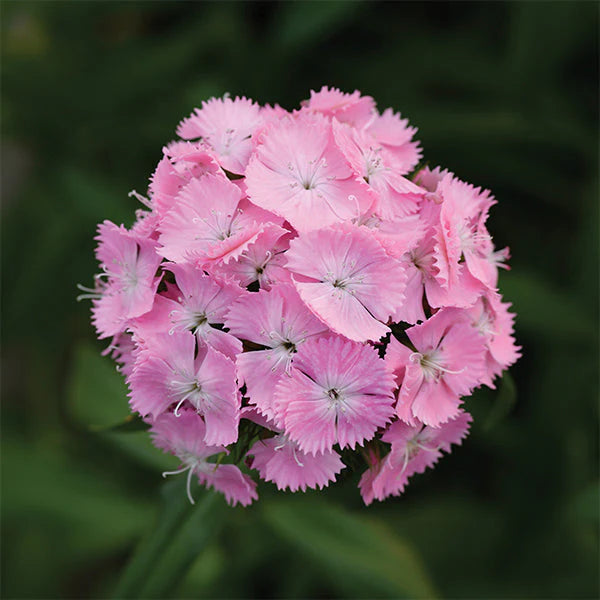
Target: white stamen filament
point(91, 294)
point(188, 485)
point(296, 457)
point(430, 365)
point(140, 198)
point(177, 472)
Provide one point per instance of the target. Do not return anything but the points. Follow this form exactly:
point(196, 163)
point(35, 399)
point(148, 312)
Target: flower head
point(291, 293)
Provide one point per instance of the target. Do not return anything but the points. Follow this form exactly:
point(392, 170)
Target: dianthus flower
point(296, 290)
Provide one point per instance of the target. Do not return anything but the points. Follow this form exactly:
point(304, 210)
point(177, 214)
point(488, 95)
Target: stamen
point(444, 370)
point(176, 412)
point(182, 470)
point(404, 463)
point(430, 364)
point(415, 357)
point(296, 457)
point(140, 198)
point(88, 297)
point(188, 486)
point(427, 448)
point(90, 292)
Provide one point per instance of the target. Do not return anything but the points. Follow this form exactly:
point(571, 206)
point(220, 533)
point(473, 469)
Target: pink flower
point(170, 373)
point(346, 278)
point(414, 449)
point(279, 322)
point(352, 108)
point(262, 262)
point(298, 173)
point(184, 437)
point(210, 222)
point(394, 134)
point(448, 362)
point(129, 263)
point(490, 317)
point(280, 460)
point(182, 162)
point(395, 196)
point(464, 257)
point(202, 303)
point(227, 126)
point(337, 392)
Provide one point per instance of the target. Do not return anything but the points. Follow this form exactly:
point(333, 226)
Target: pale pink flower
point(169, 373)
point(337, 392)
point(156, 322)
point(346, 278)
point(395, 196)
point(269, 115)
point(184, 436)
point(430, 178)
point(165, 184)
point(182, 162)
point(462, 236)
point(491, 318)
point(298, 173)
point(280, 460)
point(201, 304)
point(210, 222)
point(126, 287)
point(433, 268)
point(146, 225)
point(227, 126)
point(414, 449)
point(396, 236)
point(394, 134)
point(279, 322)
point(447, 363)
point(263, 262)
point(352, 108)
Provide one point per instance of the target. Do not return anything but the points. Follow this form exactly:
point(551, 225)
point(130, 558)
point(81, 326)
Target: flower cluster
point(296, 289)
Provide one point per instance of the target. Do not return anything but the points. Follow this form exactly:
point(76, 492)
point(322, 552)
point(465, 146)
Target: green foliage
point(504, 95)
point(360, 556)
point(172, 544)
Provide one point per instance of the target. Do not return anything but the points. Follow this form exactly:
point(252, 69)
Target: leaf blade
point(359, 554)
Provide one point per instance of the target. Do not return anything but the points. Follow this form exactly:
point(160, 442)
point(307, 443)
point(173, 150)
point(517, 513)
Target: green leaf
point(182, 531)
point(44, 484)
point(360, 555)
point(97, 401)
point(132, 423)
point(97, 395)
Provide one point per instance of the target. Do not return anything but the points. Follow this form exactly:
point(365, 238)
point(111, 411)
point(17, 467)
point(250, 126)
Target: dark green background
point(504, 94)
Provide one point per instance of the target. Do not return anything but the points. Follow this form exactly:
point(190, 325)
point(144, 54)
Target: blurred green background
point(504, 94)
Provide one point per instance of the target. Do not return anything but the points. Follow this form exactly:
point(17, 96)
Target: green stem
point(164, 556)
